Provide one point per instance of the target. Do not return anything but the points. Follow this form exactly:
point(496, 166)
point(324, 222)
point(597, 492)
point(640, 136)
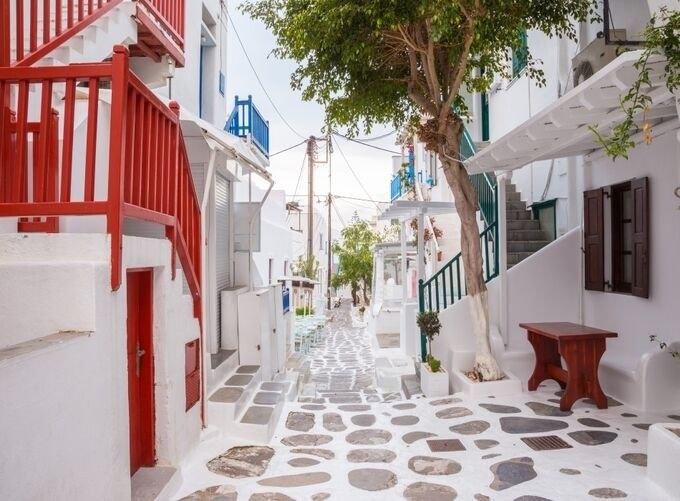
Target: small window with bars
point(192, 373)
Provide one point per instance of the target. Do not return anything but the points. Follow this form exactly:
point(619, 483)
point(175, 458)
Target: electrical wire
point(342, 154)
point(288, 149)
point(368, 139)
point(257, 77)
point(337, 213)
point(361, 199)
point(366, 144)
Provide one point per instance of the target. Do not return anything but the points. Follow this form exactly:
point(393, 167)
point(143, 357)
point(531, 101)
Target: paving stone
point(274, 386)
point(628, 414)
point(484, 444)
point(354, 408)
point(306, 439)
point(516, 424)
point(345, 399)
point(373, 399)
point(238, 380)
point(642, 426)
point(569, 471)
point(491, 456)
point(531, 498)
point(332, 421)
point(363, 419)
point(674, 417)
point(267, 398)
point(500, 409)
point(322, 453)
point(676, 431)
point(428, 465)
point(270, 496)
point(424, 491)
point(369, 437)
point(593, 423)
point(226, 395)
point(471, 427)
point(446, 401)
point(247, 369)
point(541, 409)
point(607, 493)
point(446, 445)
point(414, 436)
point(302, 462)
point(313, 407)
point(482, 497)
point(405, 420)
point(257, 415)
point(610, 402)
point(593, 437)
point(403, 407)
point(298, 480)
point(372, 479)
point(453, 412)
point(512, 472)
point(320, 496)
point(242, 462)
point(371, 456)
point(635, 458)
point(214, 493)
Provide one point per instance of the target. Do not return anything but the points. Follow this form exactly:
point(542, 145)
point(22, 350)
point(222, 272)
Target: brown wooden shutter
point(640, 191)
point(593, 229)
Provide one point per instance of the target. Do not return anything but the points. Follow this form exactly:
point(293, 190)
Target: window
point(192, 373)
point(520, 55)
point(629, 246)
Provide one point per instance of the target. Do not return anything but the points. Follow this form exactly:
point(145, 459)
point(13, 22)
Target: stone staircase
point(524, 233)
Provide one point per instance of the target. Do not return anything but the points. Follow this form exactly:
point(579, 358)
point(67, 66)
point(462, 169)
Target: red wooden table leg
point(583, 360)
point(547, 353)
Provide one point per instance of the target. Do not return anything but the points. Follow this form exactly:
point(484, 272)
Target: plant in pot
point(362, 310)
point(434, 380)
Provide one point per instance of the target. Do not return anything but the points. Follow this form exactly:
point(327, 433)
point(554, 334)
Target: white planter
point(511, 385)
point(663, 456)
point(434, 384)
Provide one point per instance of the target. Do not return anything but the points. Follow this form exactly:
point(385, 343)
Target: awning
point(408, 209)
point(193, 126)
point(562, 129)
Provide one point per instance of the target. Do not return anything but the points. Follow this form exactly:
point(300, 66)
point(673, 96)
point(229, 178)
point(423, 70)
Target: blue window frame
point(519, 55)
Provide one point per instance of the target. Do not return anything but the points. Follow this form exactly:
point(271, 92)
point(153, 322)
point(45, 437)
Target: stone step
point(229, 400)
point(410, 385)
point(526, 245)
point(518, 215)
point(523, 235)
point(510, 188)
point(517, 257)
point(523, 224)
point(513, 196)
point(515, 205)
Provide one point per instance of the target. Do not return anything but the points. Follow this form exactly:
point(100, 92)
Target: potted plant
point(362, 310)
point(434, 380)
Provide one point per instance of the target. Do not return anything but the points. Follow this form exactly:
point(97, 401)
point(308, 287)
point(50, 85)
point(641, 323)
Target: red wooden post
point(5, 38)
point(119, 89)
point(175, 174)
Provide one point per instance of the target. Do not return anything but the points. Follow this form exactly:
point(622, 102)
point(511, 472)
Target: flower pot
point(434, 384)
point(510, 385)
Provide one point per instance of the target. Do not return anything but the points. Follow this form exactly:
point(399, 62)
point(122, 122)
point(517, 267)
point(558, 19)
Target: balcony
point(64, 155)
point(247, 122)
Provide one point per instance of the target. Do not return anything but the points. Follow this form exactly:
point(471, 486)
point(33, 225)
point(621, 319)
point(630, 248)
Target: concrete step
point(410, 385)
point(518, 215)
point(262, 414)
point(526, 245)
point(522, 235)
point(229, 401)
point(517, 257)
point(523, 224)
point(510, 188)
point(513, 196)
point(515, 204)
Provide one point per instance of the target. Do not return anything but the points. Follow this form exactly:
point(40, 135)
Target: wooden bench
point(581, 347)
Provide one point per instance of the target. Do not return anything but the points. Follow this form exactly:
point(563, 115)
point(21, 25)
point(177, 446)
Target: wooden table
point(582, 348)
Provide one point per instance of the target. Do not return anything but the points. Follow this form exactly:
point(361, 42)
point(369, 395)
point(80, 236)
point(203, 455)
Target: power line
point(337, 212)
point(287, 149)
point(361, 199)
point(366, 144)
point(257, 77)
point(342, 154)
point(368, 139)
point(302, 167)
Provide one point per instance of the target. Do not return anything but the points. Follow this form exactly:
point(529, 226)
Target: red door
point(140, 368)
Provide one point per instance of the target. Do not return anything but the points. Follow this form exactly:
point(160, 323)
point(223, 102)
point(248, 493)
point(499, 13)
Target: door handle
point(138, 355)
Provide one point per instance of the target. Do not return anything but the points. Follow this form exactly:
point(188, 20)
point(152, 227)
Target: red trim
point(136, 212)
point(150, 24)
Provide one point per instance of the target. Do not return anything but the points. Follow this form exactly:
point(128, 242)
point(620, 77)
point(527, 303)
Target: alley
point(352, 441)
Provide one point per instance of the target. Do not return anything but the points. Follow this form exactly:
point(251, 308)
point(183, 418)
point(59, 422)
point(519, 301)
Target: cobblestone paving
point(353, 442)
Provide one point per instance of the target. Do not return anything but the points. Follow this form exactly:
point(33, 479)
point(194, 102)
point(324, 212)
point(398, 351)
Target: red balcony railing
point(51, 164)
point(31, 29)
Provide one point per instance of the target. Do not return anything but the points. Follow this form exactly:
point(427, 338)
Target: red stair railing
point(170, 15)
point(148, 176)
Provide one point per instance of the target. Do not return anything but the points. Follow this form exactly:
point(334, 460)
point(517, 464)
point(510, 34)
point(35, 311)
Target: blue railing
point(246, 121)
point(286, 300)
point(402, 182)
point(448, 284)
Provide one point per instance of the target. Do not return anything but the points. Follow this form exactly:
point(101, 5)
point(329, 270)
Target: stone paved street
point(354, 442)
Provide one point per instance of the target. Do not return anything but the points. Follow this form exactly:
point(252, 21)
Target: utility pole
point(311, 151)
point(330, 201)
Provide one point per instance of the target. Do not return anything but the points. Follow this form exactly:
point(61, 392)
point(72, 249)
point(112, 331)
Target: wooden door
point(140, 368)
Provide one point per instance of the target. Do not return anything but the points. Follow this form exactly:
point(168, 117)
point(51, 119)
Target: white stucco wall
point(67, 408)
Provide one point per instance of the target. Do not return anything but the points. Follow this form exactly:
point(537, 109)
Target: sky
point(373, 168)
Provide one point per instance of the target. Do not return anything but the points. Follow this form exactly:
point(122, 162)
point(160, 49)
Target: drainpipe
point(251, 223)
point(204, 225)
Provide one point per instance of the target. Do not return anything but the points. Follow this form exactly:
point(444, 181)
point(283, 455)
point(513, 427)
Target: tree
point(397, 61)
point(662, 38)
point(356, 259)
point(306, 267)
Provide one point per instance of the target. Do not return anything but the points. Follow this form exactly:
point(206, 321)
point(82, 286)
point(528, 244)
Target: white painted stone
point(434, 384)
point(663, 457)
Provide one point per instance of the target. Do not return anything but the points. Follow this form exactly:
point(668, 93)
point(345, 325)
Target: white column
point(421, 245)
point(503, 257)
point(404, 283)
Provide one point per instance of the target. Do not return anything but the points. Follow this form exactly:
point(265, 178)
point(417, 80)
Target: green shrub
point(302, 311)
point(435, 365)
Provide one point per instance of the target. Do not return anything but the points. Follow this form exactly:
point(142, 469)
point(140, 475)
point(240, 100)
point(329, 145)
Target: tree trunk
point(354, 295)
point(366, 300)
point(465, 197)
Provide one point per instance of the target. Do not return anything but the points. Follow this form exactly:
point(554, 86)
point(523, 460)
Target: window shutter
point(593, 216)
point(640, 190)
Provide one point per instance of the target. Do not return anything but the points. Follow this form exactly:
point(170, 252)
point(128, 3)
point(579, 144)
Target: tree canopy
point(356, 258)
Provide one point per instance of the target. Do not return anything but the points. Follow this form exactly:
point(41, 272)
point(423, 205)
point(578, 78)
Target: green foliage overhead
point(305, 267)
point(662, 38)
point(355, 256)
point(390, 61)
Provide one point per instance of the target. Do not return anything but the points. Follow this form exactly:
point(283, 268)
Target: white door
point(222, 244)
